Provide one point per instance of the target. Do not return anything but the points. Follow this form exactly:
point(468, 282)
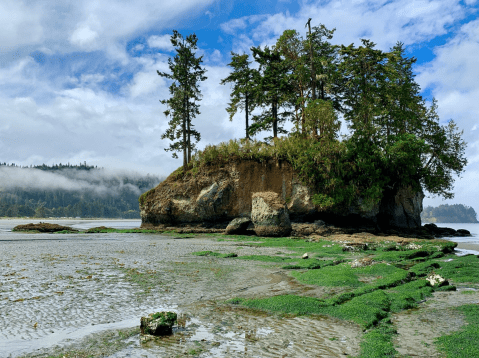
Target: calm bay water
point(6, 225)
point(474, 239)
point(472, 228)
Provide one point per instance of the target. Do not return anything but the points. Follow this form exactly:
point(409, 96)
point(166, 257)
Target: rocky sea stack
point(214, 195)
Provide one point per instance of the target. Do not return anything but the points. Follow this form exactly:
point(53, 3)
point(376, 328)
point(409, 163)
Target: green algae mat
point(371, 281)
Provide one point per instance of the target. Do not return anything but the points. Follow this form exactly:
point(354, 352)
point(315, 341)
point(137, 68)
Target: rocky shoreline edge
point(318, 228)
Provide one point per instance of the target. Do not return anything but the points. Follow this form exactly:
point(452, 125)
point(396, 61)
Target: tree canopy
point(395, 138)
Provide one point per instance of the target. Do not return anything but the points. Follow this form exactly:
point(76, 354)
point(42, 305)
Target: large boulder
point(270, 215)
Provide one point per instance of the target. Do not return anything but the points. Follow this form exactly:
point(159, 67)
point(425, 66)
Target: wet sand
point(63, 293)
point(467, 246)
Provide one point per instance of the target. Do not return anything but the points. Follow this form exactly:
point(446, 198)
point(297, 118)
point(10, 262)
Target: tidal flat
point(82, 295)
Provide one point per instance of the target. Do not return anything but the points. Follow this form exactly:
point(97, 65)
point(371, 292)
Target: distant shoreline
point(64, 218)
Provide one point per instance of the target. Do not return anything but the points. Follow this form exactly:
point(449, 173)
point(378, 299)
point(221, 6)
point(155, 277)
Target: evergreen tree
point(273, 90)
point(312, 64)
point(320, 115)
point(186, 72)
point(291, 47)
point(396, 139)
point(244, 79)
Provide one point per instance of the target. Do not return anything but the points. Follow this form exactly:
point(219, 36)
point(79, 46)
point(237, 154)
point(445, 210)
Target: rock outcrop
point(401, 209)
point(238, 226)
point(269, 215)
point(219, 194)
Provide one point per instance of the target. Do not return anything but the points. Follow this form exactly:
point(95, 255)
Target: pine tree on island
point(186, 73)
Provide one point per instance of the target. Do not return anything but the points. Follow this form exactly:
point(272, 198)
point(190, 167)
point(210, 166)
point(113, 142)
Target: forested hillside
point(71, 191)
point(456, 213)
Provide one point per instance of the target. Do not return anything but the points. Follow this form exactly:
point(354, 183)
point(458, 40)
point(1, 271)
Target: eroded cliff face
point(222, 193)
point(218, 194)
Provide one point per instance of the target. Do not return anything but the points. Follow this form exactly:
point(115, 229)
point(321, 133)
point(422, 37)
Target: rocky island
point(219, 194)
point(209, 198)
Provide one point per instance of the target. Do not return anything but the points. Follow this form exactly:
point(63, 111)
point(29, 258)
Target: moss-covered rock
point(158, 324)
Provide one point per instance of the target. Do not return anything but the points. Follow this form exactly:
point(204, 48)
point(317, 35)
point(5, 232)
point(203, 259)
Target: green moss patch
point(378, 342)
point(460, 269)
point(283, 303)
point(310, 264)
point(366, 310)
point(340, 275)
point(409, 295)
point(463, 344)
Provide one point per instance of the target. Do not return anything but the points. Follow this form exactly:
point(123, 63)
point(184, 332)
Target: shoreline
point(468, 246)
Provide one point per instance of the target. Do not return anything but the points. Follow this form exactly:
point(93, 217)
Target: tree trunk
point(313, 72)
point(275, 120)
point(246, 112)
point(185, 163)
point(188, 124)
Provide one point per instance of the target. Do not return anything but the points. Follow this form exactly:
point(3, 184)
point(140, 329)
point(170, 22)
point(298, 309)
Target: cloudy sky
point(78, 79)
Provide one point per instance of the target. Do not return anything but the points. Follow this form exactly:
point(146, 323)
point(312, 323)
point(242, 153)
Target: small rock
point(436, 280)
point(158, 324)
point(305, 256)
point(238, 226)
point(413, 246)
point(362, 262)
point(354, 246)
point(463, 232)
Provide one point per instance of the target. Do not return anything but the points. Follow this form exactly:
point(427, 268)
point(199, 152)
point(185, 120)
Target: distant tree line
point(53, 167)
point(119, 199)
point(456, 213)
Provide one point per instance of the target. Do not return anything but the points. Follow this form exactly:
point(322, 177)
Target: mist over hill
point(71, 191)
point(456, 213)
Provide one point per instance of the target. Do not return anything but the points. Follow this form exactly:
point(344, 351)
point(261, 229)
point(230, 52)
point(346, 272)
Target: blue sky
point(78, 79)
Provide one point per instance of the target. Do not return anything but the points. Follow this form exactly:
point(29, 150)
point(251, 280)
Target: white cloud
point(216, 56)
point(455, 65)
point(19, 24)
point(84, 37)
point(384, 22)
point(162, 42)
point(145, 83)
point(232, 26)
point(88, 25)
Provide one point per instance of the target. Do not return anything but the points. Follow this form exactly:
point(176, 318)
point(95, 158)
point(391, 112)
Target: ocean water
point(474, 239)
point(6, 224)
